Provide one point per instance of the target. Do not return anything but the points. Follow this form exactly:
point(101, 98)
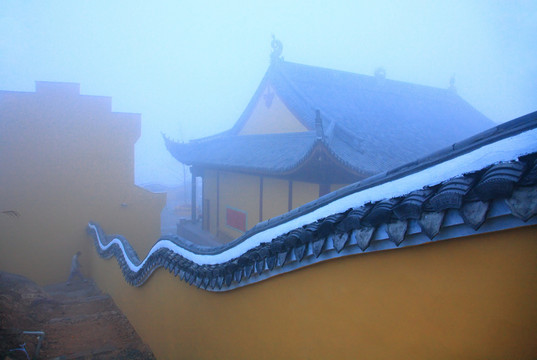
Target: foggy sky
point(190, 67)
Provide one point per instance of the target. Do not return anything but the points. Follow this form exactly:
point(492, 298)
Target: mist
point(191, 67)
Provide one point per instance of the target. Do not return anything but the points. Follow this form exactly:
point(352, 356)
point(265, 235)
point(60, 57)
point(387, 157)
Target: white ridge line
point(504, 150)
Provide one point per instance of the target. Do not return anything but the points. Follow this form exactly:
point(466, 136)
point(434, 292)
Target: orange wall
point(67, 159)
point(471, 298)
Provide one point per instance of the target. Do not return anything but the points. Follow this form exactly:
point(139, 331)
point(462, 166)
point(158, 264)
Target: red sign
point(236, 219)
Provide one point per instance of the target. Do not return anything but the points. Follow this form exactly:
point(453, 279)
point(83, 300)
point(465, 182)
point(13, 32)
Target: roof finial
point(452, 84)
point(380, 73)
point(319, 125)
point(277, 48)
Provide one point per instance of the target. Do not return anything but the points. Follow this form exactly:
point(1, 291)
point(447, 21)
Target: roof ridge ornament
point(277, 49)
point(380, 76)
point(380, 73)
point(452, 84)
point(319, 125)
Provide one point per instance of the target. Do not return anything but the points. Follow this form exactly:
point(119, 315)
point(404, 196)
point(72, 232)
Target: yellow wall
point(240, 192)
point(471, 298)
point(67, 159)
point(304, 192)
point(334, 187)
point(275, 197)
point(271, 120)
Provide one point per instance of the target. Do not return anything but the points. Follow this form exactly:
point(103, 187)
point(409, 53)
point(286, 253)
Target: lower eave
point(318, 166)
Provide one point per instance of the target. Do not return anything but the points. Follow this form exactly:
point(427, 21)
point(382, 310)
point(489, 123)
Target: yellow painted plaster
point(469, 298)
point(274, 119)
point(304, 192)
point(334, 187)
point(66, 159)
point(275, 197)
point(241, 192)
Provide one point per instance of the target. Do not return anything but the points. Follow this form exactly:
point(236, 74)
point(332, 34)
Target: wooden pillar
point(290, 198)
point(217, 202)
point(260, 198)
point(194, 198)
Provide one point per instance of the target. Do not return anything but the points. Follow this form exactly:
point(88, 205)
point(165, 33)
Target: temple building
point(308, 131)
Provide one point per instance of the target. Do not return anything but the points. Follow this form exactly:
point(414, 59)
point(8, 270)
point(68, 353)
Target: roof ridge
point(371, 77)
point(304, 97)
point(289, 134)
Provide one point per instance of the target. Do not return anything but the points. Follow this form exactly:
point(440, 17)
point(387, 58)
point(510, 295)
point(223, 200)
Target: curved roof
point(370, 124)
point(276, 153)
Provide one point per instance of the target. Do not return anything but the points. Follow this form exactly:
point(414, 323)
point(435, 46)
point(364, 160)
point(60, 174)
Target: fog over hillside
point(190, 67)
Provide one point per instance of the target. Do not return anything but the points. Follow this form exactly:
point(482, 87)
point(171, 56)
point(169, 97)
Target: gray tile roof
point(276, 153)
point(371, 124)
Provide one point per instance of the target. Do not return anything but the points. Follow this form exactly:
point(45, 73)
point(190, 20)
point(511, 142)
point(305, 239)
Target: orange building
point(308, 131)
point(65, 159)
